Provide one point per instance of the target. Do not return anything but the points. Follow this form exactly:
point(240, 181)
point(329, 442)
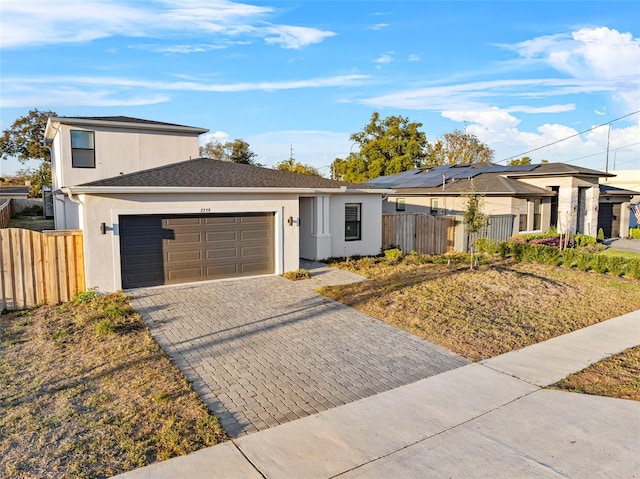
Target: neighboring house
point(519, 199)
point(201, 219)
point(14, 192)
point(626, 180)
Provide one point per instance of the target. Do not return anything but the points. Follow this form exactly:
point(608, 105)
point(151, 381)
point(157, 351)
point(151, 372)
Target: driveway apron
point(265, 351)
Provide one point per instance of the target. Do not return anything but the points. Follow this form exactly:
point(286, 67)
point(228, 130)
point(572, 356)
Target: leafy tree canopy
point(24, 139)
point(387, 146)
point(295, 167)
point(525, 160)
point(458, 148)
point(237, 151)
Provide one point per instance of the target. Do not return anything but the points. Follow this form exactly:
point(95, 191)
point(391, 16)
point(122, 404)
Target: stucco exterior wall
point(371, 225)
point(102, 251)
point(119, 151)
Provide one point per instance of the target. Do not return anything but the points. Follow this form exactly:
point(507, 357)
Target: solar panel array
point(434, 177)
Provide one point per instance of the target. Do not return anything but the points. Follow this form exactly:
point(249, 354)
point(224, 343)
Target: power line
point(600, 152)
point(568, 137)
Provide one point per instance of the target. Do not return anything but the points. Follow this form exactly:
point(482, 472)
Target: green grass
point(620, 253)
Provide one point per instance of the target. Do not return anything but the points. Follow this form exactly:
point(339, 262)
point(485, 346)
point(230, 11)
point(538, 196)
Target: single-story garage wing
point(206, 219)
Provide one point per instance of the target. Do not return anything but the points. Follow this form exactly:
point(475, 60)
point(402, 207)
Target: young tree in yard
point(237, 151)
point(24, 140)
point(458, 148)
point(474, 218)
point(387, 146)
point(294, 167)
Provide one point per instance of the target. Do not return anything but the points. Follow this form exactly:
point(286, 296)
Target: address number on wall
point(205, 210)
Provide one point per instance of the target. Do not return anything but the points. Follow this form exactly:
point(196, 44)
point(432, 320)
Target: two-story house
point(154, 213)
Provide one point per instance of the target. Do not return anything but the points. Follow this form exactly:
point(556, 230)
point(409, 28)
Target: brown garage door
point(170, 249)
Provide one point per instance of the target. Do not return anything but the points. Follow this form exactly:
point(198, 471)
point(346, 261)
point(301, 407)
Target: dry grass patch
point(479, 314)
point(86, 392)
point(617, 377)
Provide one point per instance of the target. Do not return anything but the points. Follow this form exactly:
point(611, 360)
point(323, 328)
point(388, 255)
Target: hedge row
point(569, 258)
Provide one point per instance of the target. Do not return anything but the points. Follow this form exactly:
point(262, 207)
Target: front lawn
point(505, 305)
point(620, 253)
point(86, 392)
point(617, 376)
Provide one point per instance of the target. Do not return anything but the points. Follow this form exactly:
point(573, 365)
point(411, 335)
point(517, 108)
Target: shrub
point(297, 274)
point(517, 251)
point(504, 249)
point(583, 260)
point(85, 296)
point(482, 245)
point(393, 255)
point(569, 258)
point(633, 269)
point(599, 263)
point(600, 237)
point(416, 258)
point(551, 241)
point(584, 240)
point(634, 233)
point(615, 265)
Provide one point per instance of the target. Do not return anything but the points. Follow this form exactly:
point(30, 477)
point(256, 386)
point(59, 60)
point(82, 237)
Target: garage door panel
point(218, 236)
point(180, 257)
point(174, 249)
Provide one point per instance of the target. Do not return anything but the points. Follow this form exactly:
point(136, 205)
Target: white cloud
point(39, 22)
point(180, 49)
point(378, 26)
point(102, 91)
point(295, 37)
point(384, 59)
point(414, 58)
point(217, 136)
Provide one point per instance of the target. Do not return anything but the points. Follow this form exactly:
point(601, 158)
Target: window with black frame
point(82, 149)
point(352, 221)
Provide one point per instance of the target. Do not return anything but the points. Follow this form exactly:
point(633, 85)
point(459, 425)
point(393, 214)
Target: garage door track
point(264, 351)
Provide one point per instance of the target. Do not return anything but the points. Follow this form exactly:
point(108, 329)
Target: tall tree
point(387, 146)
point(296, 167)
point(525, 160)
point(458, 148)
point(237, 151)
point(24, 140)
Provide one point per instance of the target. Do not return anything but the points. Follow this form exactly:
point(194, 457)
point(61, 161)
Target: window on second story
point(83, 153)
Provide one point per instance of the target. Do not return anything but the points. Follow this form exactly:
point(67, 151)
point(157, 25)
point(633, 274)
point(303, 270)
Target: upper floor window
point(352, 222)
point(83, 154)
point(400, 204)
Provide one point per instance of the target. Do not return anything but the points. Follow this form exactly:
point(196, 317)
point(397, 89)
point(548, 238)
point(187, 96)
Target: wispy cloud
point(378, 26)
point(113, 91)
point(384, 59)
point(35, 23)
point(414, 58)
point(179, 49)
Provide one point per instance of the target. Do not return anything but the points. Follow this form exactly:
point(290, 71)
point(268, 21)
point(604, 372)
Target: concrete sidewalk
point(488, 419)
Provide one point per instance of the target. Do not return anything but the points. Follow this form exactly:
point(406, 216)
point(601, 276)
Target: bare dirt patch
point(617, 377)
point(502, 306)
point(86, 392)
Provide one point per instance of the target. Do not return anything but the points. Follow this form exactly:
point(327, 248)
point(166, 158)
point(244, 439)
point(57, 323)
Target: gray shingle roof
point(607, 190)
point(125, 122)
point(207, 173)
point(11, 190)
point(485, 183)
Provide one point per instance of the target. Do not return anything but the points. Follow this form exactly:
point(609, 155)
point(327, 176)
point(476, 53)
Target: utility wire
point(568, 137)
point(600, 152)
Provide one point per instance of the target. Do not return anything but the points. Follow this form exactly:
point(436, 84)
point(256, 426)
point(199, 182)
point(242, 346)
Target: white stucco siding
point(371, 225)
point(102, 251)
point(66, 213)
point(120, 151)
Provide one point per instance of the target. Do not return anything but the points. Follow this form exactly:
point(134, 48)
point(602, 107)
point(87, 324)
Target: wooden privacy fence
point(40, 268)
point(427, 234)
point(5, 213)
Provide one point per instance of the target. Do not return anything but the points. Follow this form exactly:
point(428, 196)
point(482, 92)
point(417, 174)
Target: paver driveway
point(264, 351)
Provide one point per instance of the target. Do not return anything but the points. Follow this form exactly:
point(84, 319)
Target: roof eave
point(122, 125)
point(98, 190)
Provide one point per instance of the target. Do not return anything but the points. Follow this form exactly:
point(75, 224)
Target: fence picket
point(40, 267)
point(425, 234)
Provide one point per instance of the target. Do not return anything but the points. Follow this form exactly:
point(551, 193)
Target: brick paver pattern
point(264, 351)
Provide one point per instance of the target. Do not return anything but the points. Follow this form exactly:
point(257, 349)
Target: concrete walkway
point(488, 419)
point(265, 351)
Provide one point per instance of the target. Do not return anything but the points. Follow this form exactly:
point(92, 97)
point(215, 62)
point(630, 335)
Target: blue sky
point(307, 74)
